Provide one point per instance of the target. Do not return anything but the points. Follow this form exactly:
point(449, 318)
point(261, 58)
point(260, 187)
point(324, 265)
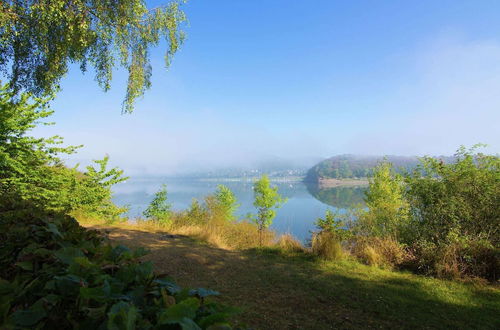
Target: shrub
point(473, 259)
point(387, 213)
point(196, 214)
point(266, 200)
point(226, 203)
point(445, 213)
point(288, 243)
point(158, 209)
point(456, 200)
point(335, 223)
point(378, 251)
point(327, 245)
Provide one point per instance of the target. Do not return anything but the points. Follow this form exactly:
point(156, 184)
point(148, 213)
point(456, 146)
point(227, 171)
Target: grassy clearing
point(293, 290)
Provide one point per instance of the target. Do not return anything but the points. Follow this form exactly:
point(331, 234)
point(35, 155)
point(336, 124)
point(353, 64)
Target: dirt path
point(261, 287)
point(297, 292)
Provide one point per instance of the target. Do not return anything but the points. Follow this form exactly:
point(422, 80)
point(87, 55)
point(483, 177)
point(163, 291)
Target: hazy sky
point(299, 80)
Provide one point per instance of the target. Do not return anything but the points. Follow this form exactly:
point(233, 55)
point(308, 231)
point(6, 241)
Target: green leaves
point(95, 33)
point(33, 178)
point(185, 309)
point(122, 315)
point(266, 200)
point(57, 281)
point(159, 209)
point(68, 254)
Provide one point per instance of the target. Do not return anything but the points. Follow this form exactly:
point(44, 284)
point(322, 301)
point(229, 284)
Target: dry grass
point(375, 251)
point(222, 234)
point(290, 244)
point(327, 246)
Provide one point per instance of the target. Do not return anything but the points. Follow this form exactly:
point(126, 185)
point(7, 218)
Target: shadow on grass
point(277, 290)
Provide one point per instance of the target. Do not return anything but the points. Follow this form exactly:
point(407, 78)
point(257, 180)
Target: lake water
point(304, 205)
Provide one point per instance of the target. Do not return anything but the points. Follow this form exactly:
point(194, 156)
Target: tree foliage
point(457, 200)
point(445, 214)
point(32, 176)
point(385, 200)
point(266, 200)
point(335, 223)
point(159, 209)
point(226, 202)
point(40, 38)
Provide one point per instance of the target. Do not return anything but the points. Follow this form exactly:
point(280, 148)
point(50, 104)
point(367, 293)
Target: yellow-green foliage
point(33, 177)
point(159, 209)
point(95, 33)
point(387, 208)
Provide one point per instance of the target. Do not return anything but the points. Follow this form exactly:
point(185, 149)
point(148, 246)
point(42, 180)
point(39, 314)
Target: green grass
point(390, 298)
point(278, 290)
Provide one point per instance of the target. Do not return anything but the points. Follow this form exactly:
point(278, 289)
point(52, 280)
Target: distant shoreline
point(252, 179)
point(331, 183)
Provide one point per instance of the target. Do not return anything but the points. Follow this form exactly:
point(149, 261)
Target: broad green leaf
point(122, 316)
point(169, 285)
point(213, 319)
point(25, 265)
point(185, 309)
point(185, 323)
point(28, 317)
point(52, 228)
point(67, 254)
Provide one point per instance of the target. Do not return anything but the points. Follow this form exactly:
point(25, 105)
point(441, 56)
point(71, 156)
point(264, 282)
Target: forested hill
point(352, 166)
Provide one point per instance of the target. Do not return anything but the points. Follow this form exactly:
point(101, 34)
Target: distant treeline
point(352, 166)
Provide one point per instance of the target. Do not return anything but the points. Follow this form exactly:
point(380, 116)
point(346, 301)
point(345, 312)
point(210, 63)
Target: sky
point(298, 81)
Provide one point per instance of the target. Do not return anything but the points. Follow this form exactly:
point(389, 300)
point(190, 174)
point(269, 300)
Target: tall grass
point(327, 245)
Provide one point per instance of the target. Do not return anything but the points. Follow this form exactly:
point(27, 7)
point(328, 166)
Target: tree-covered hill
point(354, 166)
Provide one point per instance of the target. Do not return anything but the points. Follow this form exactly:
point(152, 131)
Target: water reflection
point(341, 197)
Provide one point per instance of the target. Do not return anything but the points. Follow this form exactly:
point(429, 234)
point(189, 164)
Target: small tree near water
point(159, 209)
point(266, 200)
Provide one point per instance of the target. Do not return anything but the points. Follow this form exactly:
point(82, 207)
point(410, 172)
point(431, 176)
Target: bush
point(327, 245)
point(447, 215)
point(377, 251)
point(387, 214)
point(473, 259)
point(56, 274)
point(195, 215)
point(288, 243)
point(158, 209)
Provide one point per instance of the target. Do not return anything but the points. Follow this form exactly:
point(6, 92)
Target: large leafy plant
point(56, 274)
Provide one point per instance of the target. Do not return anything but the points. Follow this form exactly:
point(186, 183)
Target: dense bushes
point(454, 224)
point(56, 274)
point(441, 219)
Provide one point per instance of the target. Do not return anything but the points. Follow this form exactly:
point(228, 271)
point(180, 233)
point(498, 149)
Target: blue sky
point(300, 80)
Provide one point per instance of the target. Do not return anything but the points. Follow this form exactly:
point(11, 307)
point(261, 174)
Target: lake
point(297, 216)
